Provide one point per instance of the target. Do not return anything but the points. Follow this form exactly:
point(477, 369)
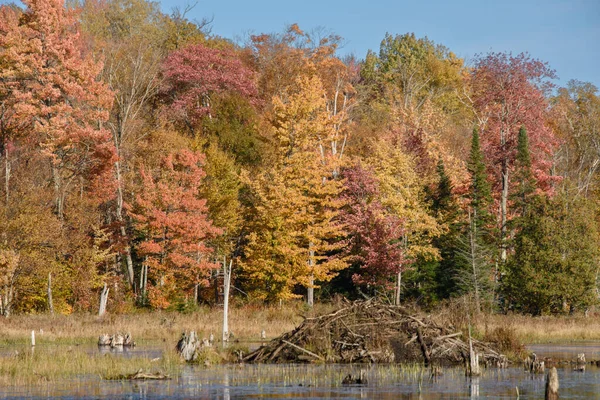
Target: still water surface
point(324, 381)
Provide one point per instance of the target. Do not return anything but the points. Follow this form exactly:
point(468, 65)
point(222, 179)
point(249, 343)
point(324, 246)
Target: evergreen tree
point(432, 279)
point(524, 180)
point(446, 207)
point(474, 259)
point(480, 193)
point(556, 258)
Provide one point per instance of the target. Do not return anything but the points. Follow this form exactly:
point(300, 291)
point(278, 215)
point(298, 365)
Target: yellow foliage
point(297, 201)
point(402, 193)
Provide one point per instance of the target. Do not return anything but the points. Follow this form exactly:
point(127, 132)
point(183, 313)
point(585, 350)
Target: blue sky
point(565, 33)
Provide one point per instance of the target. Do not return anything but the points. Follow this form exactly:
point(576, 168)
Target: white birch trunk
point(103, 300)
point(226, 285)
point(398, 288)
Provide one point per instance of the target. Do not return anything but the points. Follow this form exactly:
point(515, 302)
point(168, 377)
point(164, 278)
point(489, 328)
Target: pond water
point(325, 381)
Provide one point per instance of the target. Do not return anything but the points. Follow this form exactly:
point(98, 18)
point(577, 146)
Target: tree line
point(140, 152)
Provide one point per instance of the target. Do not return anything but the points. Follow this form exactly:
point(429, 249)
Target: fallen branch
point(304, 350)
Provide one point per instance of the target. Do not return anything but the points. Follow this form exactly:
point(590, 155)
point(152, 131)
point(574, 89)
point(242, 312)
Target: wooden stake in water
point(552, 384)
point(33, 338)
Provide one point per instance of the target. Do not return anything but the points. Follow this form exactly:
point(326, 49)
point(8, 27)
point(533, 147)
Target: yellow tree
point(296, 229)
point(402, 195)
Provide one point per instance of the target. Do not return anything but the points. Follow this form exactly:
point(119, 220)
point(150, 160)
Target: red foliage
point(196, 73)
point(375, 237)
point(174, 222)
point(509, 93)
point(52, 91)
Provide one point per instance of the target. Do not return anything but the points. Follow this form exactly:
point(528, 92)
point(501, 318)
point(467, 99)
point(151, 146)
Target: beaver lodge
point(372, 332)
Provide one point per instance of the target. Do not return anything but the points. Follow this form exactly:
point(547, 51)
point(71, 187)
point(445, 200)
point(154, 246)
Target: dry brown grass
point(515, 328)
point(245, 322)
point(545, 329)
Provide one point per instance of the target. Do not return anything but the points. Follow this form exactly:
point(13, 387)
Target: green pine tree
point(556, 258)
point(432, 280)
point(525, 182)
point(474, 274)
point(480, 191)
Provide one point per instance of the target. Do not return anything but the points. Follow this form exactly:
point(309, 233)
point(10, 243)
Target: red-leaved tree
point(172, 220)
point(508, 93)
point(375, 237)
point(58, 101)
point(194, 74)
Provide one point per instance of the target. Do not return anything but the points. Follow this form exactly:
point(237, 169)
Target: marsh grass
point(33, 366)
point(57, 355)
point(514, 328)
point(547, 329)
point(332, 375)
point(245, 322)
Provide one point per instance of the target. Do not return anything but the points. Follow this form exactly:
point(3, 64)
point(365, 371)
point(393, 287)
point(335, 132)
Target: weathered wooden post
point(226, 284)
point(552, 385)
point(32, 338)
point(473, 357)
point(50, 303)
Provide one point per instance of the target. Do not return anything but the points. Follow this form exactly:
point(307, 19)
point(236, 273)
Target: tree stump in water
point(128, 341)
point(104, 340)
point(552, 385)
point(187, 346)
point(534, 365)
point(116, 340)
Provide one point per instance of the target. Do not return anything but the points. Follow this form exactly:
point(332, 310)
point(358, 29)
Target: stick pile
point(371, 332)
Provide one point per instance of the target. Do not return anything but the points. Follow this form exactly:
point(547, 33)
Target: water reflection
point(474, 387)
point(317, 382)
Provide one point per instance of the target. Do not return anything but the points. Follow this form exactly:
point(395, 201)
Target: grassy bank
point(544, 329)
point(26, 366)
point(22, 365)
point(246, 323)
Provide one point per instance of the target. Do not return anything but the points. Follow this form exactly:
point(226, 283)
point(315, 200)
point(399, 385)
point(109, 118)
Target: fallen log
point(140, 375)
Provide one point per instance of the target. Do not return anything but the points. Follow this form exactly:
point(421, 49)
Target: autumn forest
point(140, 153)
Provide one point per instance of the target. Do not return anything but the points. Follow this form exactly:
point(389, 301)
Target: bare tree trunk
point(310, 293)
point(119, 213)
point(503, 213)
point(50, 303)
point(145, 278)
point(398, 288)
point(504, 197)
point(226, 285)
point(142, 279)
point(473, 249)
point(552, 385)
point(103, 300)
point(196, 294)
point(59, 198)
point(6, 176)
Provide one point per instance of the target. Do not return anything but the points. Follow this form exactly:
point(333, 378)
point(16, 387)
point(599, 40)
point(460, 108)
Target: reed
point(245, 322)
point(28, 366)
point(546, 329)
